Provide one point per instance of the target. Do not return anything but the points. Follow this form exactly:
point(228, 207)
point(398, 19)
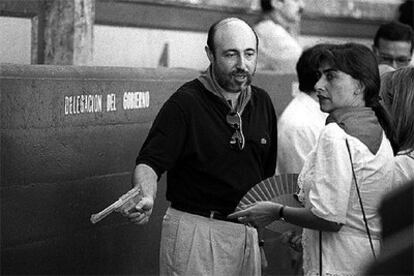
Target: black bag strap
point(360, 202)
point(320, 253)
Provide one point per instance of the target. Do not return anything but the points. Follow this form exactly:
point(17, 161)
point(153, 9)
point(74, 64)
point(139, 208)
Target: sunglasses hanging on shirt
point(237, 140)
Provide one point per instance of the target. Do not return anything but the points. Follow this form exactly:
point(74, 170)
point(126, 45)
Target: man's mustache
point(241, 72)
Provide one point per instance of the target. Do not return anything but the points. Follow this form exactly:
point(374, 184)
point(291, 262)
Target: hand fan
point(278, 188)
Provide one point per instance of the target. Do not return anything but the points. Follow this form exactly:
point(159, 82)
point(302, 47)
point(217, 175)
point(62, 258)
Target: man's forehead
point(234, 31)
point(232, 25)
point(394, 47)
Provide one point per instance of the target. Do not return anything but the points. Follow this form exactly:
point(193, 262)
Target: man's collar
point(210, 82)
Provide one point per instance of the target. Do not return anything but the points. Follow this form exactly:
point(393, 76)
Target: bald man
point(215, 137)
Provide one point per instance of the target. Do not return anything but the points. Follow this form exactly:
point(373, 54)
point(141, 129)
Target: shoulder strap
point(320, 253)
point(360, 201)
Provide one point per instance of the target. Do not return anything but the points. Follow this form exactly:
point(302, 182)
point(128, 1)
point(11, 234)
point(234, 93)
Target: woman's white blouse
point(328, 189)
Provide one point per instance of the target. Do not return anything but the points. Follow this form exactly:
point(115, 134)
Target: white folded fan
point(278, 188)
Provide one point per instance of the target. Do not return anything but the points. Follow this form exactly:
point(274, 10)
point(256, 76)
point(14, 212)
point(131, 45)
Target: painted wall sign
point(95, 103)
point(83, 104)
point(136, 100)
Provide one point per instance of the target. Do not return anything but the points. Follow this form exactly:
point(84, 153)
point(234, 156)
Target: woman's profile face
point(336, 89)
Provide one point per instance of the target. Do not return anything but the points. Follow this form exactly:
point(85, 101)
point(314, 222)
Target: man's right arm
point(160, 151)
point(146, 179)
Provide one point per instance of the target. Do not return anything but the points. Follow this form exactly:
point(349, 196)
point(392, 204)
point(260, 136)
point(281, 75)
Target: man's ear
point(210, 54)
point(374, 49)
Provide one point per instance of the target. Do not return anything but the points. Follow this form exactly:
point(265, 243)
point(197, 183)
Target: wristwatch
point(281, 214)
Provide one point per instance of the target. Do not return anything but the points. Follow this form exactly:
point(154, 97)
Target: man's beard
point(231, 84)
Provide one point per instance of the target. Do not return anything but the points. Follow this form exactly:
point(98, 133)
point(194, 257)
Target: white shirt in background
point(298, 130)
point(278, 49)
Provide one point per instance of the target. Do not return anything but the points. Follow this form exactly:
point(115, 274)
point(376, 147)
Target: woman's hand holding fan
point(278, 189)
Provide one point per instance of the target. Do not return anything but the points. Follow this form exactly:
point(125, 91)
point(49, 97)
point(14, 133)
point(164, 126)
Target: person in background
point(405, 16)
point(401, 82)
point(216, 137)
point(393, 44)
point(353, 151)
point(405, 13)
point(302, 120)
point(277, 30)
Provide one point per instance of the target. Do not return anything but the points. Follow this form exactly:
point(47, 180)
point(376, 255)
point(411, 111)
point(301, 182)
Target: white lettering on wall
point(111, 102)
point(82, 104)
point(136, 100)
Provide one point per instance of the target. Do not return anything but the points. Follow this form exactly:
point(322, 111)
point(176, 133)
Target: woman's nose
point(319, 84)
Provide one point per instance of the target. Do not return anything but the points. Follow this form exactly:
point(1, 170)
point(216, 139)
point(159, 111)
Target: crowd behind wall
point(124, 45)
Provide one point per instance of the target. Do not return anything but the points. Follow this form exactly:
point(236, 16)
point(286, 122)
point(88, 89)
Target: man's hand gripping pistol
point(126, 202)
